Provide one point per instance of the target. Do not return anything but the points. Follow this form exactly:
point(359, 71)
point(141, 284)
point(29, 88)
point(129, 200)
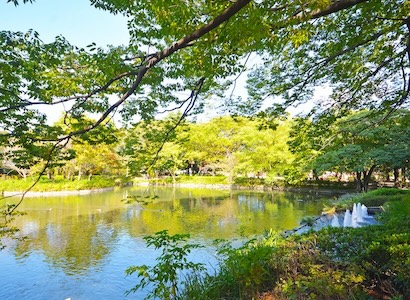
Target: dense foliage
point(360, 142)
point(358, 48)
point(333, 263)
point(247, 151)
point(232, 146)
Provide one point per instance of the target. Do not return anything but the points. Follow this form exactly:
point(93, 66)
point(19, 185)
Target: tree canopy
point(358, 143)
point(358, 48)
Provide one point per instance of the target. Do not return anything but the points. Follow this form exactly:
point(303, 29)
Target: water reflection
point(83, 237)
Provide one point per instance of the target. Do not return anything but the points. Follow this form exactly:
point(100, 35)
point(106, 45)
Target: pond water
point(78, 247)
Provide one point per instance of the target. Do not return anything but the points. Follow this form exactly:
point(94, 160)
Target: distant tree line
point(284, 149)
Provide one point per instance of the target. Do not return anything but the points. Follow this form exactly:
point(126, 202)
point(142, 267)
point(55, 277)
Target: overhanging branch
point(159, 56)
point(336, 6)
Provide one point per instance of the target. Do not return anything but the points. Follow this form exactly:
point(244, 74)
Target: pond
point(78, 247)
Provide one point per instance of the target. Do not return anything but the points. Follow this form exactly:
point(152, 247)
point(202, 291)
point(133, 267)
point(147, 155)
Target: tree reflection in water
point(100, 236)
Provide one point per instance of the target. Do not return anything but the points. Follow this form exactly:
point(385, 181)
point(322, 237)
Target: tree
point(264, 148)
point(362, 144)
point(93, 152)
point(154, 147)
point(360, 48)
point(239, 146)
point(308, 138)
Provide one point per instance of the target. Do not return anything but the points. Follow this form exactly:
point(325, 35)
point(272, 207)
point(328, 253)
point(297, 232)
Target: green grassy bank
point(250, 183)
point(98, 181)
point(60, 184)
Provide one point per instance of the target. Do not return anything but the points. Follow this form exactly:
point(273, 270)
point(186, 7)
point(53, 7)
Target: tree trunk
point(79, 174)
point(403, 176)
point(359, 183)
point(396, 174)
point(315, 175)
point(174, 180)
point(367, 177)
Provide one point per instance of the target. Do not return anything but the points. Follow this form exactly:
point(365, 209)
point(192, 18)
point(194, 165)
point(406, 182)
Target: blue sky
point(80, 23)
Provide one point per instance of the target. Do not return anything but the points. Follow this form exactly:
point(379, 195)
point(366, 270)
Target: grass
point(373, 198)
point(219, 179)
point(58, 184)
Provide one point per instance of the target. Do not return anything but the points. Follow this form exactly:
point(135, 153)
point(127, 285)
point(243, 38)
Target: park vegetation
point(332, 263)
point(228, 150)
point(200, 50)
point(358, 49)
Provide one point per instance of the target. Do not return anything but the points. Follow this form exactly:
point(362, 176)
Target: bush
point(388, 192)
point(397, 212)
point(249, 181)
point(173, 260)
point(372, 199)
point(196, 179)
point(277, 268)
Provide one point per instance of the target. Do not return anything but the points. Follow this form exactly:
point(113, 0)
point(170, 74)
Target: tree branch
point(336, 6)
point(64, 100)
point(159, 56)
point(47, 164)
point(192, 99)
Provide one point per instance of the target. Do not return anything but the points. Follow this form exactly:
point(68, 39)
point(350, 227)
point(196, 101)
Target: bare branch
point(351, 48)
point(193, 97)
point(240, 73)
point(64, 100)
point(308, 73)
point(177, 107)
point(46, 165)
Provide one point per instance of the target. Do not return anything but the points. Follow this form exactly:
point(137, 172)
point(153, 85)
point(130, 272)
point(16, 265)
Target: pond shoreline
point(57, 193)
point(261, 188)
point(258, 188)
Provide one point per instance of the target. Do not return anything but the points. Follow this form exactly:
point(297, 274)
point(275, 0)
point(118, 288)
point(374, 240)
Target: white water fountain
point(354, 216)
point(365, 213)
point(358, 216)
point(347, 221)
point(335, 221)
point(359, 213)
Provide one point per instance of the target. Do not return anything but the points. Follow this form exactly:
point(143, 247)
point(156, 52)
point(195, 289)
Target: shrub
point(164, 276)
point(389, 192)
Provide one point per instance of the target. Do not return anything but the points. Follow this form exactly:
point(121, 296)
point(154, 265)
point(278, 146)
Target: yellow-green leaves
point(299, 37)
